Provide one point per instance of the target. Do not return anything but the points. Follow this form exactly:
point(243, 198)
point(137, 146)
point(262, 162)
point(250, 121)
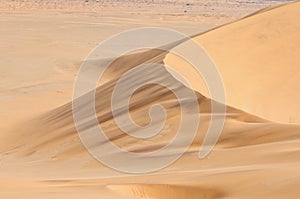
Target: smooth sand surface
point(258, 58)
point(41, 155)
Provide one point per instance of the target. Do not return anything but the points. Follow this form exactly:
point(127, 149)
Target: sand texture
point(257, 155)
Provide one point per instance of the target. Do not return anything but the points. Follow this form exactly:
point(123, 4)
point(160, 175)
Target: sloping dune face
point(258, 58)
point(58, 125)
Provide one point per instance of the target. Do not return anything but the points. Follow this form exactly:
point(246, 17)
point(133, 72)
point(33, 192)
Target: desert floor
point(42, 45)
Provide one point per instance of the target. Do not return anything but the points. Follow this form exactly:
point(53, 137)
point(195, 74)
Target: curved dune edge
point(163, 191)
point(258, 60)
point(57, 128)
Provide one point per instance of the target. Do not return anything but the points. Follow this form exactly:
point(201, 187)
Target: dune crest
point(258, 59)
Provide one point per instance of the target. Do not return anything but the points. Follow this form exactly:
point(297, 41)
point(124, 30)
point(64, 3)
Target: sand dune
point(254, 157)
point(259, 62)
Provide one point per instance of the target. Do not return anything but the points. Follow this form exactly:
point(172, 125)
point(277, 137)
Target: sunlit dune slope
point(258, 58)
